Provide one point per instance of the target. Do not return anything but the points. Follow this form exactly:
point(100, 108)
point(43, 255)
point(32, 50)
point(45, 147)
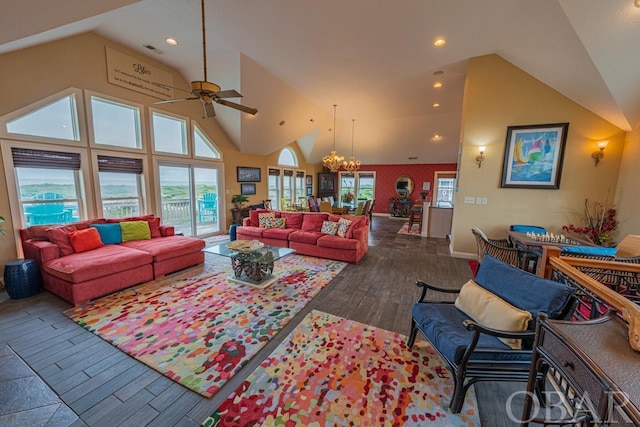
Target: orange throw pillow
point(85, 240)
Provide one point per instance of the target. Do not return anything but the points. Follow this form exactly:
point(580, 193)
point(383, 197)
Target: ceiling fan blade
point(228, 94)
point(240, 107)
point(168, 101)
point(208, 109)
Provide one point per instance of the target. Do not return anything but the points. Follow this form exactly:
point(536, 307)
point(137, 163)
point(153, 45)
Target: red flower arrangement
point(601, 223)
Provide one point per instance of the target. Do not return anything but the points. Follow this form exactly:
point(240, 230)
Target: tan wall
point(627, 200)
point(79, 61)
point(498, 95)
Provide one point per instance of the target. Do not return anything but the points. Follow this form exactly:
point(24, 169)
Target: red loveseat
point(303, 233)
point(80, 277)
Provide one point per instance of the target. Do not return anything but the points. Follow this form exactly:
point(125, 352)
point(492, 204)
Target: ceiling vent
point(154, 49)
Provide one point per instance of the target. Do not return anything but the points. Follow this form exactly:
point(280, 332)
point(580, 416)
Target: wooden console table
point(595, 367)
point(238, 214)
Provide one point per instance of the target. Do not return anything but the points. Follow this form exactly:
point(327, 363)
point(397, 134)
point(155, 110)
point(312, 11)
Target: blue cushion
point(590, 250)
point(528, 229)
point(109, 233)
point(233, 232)
point(442, 325)
point(524, 290)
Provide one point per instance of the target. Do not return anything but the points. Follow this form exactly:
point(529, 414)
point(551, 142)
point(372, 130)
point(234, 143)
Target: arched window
point(287, 157)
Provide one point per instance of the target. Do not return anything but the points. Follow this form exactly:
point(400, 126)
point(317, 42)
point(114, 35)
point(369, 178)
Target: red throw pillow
point(59, 236)
point(85, 240)
point(294, 219)
point(313, 221)
point(39, 232)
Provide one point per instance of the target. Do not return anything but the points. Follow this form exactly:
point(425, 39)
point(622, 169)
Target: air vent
point(154, 49)
point(413, 158)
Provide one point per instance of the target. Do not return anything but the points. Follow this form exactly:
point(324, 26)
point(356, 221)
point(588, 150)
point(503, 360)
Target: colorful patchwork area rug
point(414, 231)
point(334, 371)
point(198, 328)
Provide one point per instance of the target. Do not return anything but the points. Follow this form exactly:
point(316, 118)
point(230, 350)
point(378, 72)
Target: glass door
point(207, 195)
point(175, 198)
point(189, 198)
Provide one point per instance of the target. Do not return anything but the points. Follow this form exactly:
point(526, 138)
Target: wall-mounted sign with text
point(126, 71)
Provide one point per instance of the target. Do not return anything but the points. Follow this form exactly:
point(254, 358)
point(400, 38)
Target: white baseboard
point(464, 255)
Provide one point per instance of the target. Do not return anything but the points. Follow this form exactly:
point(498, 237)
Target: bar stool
point(415, 217)
point(22, 278)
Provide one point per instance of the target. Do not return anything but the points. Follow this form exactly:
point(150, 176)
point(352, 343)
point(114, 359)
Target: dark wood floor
point(103, 386)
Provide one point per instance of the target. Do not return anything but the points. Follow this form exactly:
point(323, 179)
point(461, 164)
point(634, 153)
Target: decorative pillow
point(85, 240)
point(59, 236)
point(313, 221)
point(294, 219)
point(274, 222)
point(109, 233)
point(253, 216)
point(492, 312)
point(522, 289)
point(135, 230)
point(343, 227)
point(264, 217)
point(154, 222)
point(39, 232)
point(329, 227)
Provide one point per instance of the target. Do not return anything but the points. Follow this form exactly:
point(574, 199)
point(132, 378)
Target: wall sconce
point(480, 157)
point(597, 155)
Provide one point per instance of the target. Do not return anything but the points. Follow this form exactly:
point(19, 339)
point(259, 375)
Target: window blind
point(26, 158)
point(274, 172)
point(119, 164)
point(288, 172)
point(299, 174)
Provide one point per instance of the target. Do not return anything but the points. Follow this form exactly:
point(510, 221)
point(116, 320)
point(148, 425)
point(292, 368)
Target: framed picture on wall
point(309, 191)
point(247, 189)
point(246, 174)
point(533, 156)
point(309, 180)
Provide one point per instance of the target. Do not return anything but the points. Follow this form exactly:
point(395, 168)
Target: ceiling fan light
point(208, 110)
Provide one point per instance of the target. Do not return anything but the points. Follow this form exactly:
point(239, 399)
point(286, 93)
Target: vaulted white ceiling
point(374, 58)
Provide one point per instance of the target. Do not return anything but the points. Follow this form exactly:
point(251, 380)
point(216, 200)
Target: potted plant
point(238, 200)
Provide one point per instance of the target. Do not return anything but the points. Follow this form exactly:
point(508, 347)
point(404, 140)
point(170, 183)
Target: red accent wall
point(386, 176)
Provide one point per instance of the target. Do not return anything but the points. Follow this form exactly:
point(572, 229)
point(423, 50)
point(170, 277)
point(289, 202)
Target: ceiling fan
point(208, 92)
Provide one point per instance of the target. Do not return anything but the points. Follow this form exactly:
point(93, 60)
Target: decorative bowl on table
point(245, 246)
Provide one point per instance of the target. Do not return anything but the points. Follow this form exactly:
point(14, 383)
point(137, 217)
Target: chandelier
point(352, 165)
point(333, 160)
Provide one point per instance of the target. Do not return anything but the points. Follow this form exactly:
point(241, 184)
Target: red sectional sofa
point(80, 277)
point(303, 233)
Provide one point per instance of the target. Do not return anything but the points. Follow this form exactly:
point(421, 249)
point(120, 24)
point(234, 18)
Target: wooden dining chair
point(325, 207)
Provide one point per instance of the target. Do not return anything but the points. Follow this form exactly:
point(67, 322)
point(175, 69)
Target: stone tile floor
point(25, 399)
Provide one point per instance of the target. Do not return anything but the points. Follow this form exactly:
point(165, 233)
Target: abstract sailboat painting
point(533, 156)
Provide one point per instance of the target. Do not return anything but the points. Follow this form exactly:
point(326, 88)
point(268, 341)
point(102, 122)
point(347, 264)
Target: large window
point(169, 134)
point(48, 186)
point(115, 123)
point(203, 147)
point(356, 187)
point(55, 120)
point(120, 186)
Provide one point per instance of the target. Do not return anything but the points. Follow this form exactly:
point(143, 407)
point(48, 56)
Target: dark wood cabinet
point(594, 366)
point(238, 214)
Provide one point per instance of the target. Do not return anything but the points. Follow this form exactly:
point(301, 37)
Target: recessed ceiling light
point(438, 73)
point(637, 3)
point(439, 41)
point(436, 105)
point(437, 84)
point(171, 41)
point(281, 123)
point(436, 136)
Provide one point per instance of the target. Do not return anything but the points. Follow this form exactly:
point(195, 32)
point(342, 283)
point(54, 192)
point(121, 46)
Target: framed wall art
point(246, 174)
point(247, 189)
point(533, 156)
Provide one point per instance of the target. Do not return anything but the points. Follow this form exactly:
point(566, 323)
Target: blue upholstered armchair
point(474, 351)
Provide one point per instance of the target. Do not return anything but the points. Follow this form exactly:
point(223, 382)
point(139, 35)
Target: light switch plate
point(478, 200)
point(469, 200)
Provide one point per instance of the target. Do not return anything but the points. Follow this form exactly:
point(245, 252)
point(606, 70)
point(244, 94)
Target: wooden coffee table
point(255, 268)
